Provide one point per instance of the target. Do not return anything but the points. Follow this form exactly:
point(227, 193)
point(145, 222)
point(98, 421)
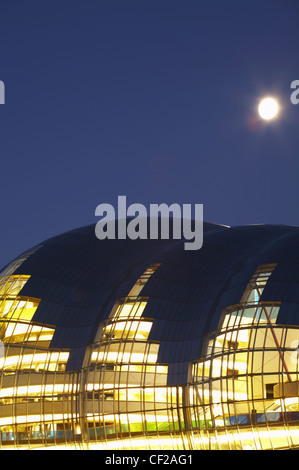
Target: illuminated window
point(123, 362)
point(242, 393)
point(33, 375)
point(248, 379)
point(257, 284)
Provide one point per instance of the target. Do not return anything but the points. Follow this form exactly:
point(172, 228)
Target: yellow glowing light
point(268, 108)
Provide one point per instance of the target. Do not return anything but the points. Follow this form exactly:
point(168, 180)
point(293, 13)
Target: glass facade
point(241, 392)
point(244, 393)
point(33, 383)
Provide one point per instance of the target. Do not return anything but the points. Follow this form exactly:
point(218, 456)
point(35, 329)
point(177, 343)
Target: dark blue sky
point(152, 99)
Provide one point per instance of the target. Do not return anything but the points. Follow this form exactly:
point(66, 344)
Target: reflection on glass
point(242, 392)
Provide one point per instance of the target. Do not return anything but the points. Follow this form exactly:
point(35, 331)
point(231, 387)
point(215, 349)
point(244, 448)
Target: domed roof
point(79, 278)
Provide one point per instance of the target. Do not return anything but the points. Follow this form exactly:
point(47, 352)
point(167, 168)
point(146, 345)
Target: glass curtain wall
point(241, 394)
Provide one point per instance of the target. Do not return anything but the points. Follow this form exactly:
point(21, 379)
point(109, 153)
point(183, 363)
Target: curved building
point(121, 344)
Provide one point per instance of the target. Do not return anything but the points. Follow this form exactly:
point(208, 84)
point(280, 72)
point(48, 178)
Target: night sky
point(152, 99)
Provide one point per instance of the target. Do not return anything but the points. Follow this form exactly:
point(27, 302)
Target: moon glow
point(268, 108)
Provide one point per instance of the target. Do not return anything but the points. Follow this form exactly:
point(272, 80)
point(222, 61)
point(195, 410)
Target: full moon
point(268, 108)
